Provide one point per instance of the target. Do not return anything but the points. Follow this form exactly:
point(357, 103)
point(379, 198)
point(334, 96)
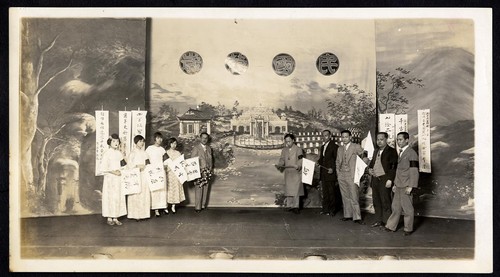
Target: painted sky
point(400, 41)
point(353, 41)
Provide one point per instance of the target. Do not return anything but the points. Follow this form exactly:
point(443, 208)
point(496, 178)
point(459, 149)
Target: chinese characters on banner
point(192, 167)
point(177, 166)
point(131, 181)
point(424, 140)
point(101, 137)
point(156, 176)
point(139, 123)
point(386, 124)
point(307, 171)
point(124, 129)
point(401, 125)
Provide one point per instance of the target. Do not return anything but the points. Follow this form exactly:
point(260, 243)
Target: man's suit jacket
point(407, 172)
point(206, 158)
point(353, 151)
point(389, 161)
point(328, 161)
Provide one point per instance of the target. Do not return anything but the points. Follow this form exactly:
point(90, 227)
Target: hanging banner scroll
point(401, 125)
point(192, 167)
point(424, 140)
point(101, 137)
point(177, 166)
point(131, 181)
point(307, 171)
point(139, 123)
point(387, 124)
point(124, 130)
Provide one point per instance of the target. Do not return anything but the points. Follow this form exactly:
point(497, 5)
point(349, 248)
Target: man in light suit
point(346, 166)
point(204, 152)
point(291, 163)
point(406, 179)
point(382, 168)
point(328, 173)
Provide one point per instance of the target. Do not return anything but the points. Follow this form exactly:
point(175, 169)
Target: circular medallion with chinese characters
point(191, 62)
point(283, 64)
point(327, 64)
point(236, 63)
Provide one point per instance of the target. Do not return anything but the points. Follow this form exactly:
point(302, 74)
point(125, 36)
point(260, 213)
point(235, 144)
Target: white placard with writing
point(101, 137)
point(307, 171)
point(155, 175)
point(131, 181)
point(424, 140)
point(387, 124)
point(177, 166)
point(192, 167)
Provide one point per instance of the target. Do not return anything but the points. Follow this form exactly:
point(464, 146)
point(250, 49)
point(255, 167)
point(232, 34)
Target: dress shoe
point(359, 221)
point(324, 213)
point(111, 223)
point(406, 233)
point(117, 222)
point(376, 224)
point(345, 218)
point(157, 213)
point(197, 211)
point(388, 230)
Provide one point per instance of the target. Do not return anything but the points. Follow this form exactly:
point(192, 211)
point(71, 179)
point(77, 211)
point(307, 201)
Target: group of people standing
point(393, 177)
point(138, 206)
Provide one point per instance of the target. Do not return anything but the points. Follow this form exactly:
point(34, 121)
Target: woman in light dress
point(139, 204)
point(175, 190)
point(156, 154)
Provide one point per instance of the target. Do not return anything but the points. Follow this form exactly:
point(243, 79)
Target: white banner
point(131, 181)
point(367, 145)
point(177, 166)
point(386, 123)
point(155, 176)
point(401, 126)
point(101, 137)
point(124, 130)
point(424, 140)
point(192, 167)
point(360, 170)
point(307, 171)
point(139, 123)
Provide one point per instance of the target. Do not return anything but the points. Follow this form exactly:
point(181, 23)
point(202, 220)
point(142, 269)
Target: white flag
point(307, 171)
point(101, 137)
point(131, 181)
point(192, 167)
point(424, 140)
point(124, 130)
point(367, 145)
point(177, 166)
point(360, 170)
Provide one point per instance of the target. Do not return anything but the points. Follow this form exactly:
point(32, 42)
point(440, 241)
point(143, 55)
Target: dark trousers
point(381, 198)
point(329, 197)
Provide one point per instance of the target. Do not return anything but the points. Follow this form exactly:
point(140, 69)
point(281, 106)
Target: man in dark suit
point(382, 168)
point(328, 173)
point(204, 152)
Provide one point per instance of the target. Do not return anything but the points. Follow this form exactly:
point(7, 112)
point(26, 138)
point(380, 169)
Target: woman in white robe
point(139, 203)
point(156, 153)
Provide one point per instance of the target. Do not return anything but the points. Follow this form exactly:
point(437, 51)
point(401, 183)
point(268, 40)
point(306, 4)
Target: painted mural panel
point(248, 82)
point(429, 64)
point(71, 68)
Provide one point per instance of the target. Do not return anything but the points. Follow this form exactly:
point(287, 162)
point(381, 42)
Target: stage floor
point(242, 233)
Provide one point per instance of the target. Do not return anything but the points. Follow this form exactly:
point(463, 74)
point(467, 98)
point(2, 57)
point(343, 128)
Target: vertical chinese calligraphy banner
point(401, 125)
point(139, 123)
point(424, 140)
point(387, 124)
point(101, 136)
point(124, 129)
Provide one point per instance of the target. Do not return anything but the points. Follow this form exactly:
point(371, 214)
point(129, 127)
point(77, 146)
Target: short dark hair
point(326, 130)
point(290, 135)
point(386, 135)
point(404, 134)
point(347, 132)
point(113, 136)
point(170, 141)
point(157, 135)
point(138, 138)
point(204, 133)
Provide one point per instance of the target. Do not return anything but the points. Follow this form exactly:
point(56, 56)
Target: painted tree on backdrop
point(390, 90)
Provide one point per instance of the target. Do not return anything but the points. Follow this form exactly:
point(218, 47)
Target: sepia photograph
point(250, 140)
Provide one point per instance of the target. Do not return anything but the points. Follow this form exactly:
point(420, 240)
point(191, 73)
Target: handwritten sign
point(124, 130)
point(401, 125)
point(177, 166)
point(155, 176)
point(139, 123)
point(131, 181)
point(424, 140)
point(192, 167)
point(387, 124)
point(307, 171)
point(101, 137)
